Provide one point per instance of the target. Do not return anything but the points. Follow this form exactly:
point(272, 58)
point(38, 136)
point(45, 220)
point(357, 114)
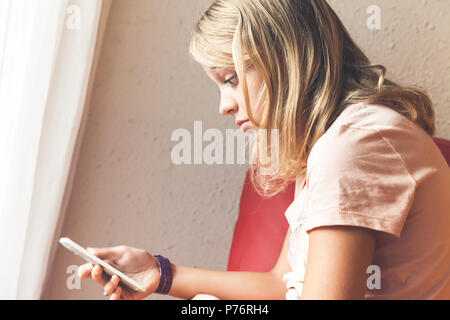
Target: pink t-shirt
point(376, 169)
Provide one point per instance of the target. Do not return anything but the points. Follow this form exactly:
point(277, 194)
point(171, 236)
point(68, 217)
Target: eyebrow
point(222, 69)
point(212, 69)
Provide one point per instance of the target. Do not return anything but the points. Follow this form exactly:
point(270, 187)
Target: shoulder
point(357, 174)
point(373, 117)
point(370, 133)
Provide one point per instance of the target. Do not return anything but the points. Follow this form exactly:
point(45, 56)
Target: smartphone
point(107, 268)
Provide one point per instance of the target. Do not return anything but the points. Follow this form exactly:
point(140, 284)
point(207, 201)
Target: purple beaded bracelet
point(165, 270)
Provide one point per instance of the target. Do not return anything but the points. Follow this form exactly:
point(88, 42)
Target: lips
point(240, 122)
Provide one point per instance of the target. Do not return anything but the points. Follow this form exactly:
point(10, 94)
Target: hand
point(137, 264)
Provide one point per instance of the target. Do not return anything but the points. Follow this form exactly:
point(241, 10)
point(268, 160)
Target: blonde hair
point(311, 68)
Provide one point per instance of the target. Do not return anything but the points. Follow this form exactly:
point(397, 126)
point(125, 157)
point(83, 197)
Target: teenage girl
point(372, 188)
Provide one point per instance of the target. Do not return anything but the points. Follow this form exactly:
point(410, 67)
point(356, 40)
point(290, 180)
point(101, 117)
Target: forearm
point(226, 285)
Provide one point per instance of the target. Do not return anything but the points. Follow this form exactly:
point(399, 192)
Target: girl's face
point(232, 100)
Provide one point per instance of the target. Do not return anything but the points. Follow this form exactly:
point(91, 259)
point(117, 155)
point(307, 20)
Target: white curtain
point(46, 55)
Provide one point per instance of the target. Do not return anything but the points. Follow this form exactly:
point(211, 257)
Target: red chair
point(260, 229)
point(444, 146)
point(261, 226)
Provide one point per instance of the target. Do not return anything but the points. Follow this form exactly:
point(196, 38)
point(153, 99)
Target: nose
point(227, 106)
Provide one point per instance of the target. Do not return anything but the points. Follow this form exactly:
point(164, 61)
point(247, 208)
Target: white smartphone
point(89, 257)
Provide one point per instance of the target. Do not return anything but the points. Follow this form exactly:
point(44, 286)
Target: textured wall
point(413, 44)
point(126, 189)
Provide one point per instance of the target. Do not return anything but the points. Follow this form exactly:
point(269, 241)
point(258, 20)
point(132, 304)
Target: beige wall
point(126, 189)
point(413, 44)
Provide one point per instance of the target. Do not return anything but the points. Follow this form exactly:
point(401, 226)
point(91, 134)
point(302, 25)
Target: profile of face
point(232, 101)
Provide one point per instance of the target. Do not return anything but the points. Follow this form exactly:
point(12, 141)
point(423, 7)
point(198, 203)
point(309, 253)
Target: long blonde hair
point(311, 68)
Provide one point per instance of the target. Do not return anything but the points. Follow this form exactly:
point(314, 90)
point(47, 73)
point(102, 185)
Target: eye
point(230, 80)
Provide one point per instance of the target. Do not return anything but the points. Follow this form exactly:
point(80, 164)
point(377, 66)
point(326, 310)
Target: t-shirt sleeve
point(356, 178)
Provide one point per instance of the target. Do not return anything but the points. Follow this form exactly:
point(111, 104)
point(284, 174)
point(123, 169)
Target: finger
point(107, 253)
point(84, 271)
point(111, 285)
point(116, 294)
point(98, 275)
